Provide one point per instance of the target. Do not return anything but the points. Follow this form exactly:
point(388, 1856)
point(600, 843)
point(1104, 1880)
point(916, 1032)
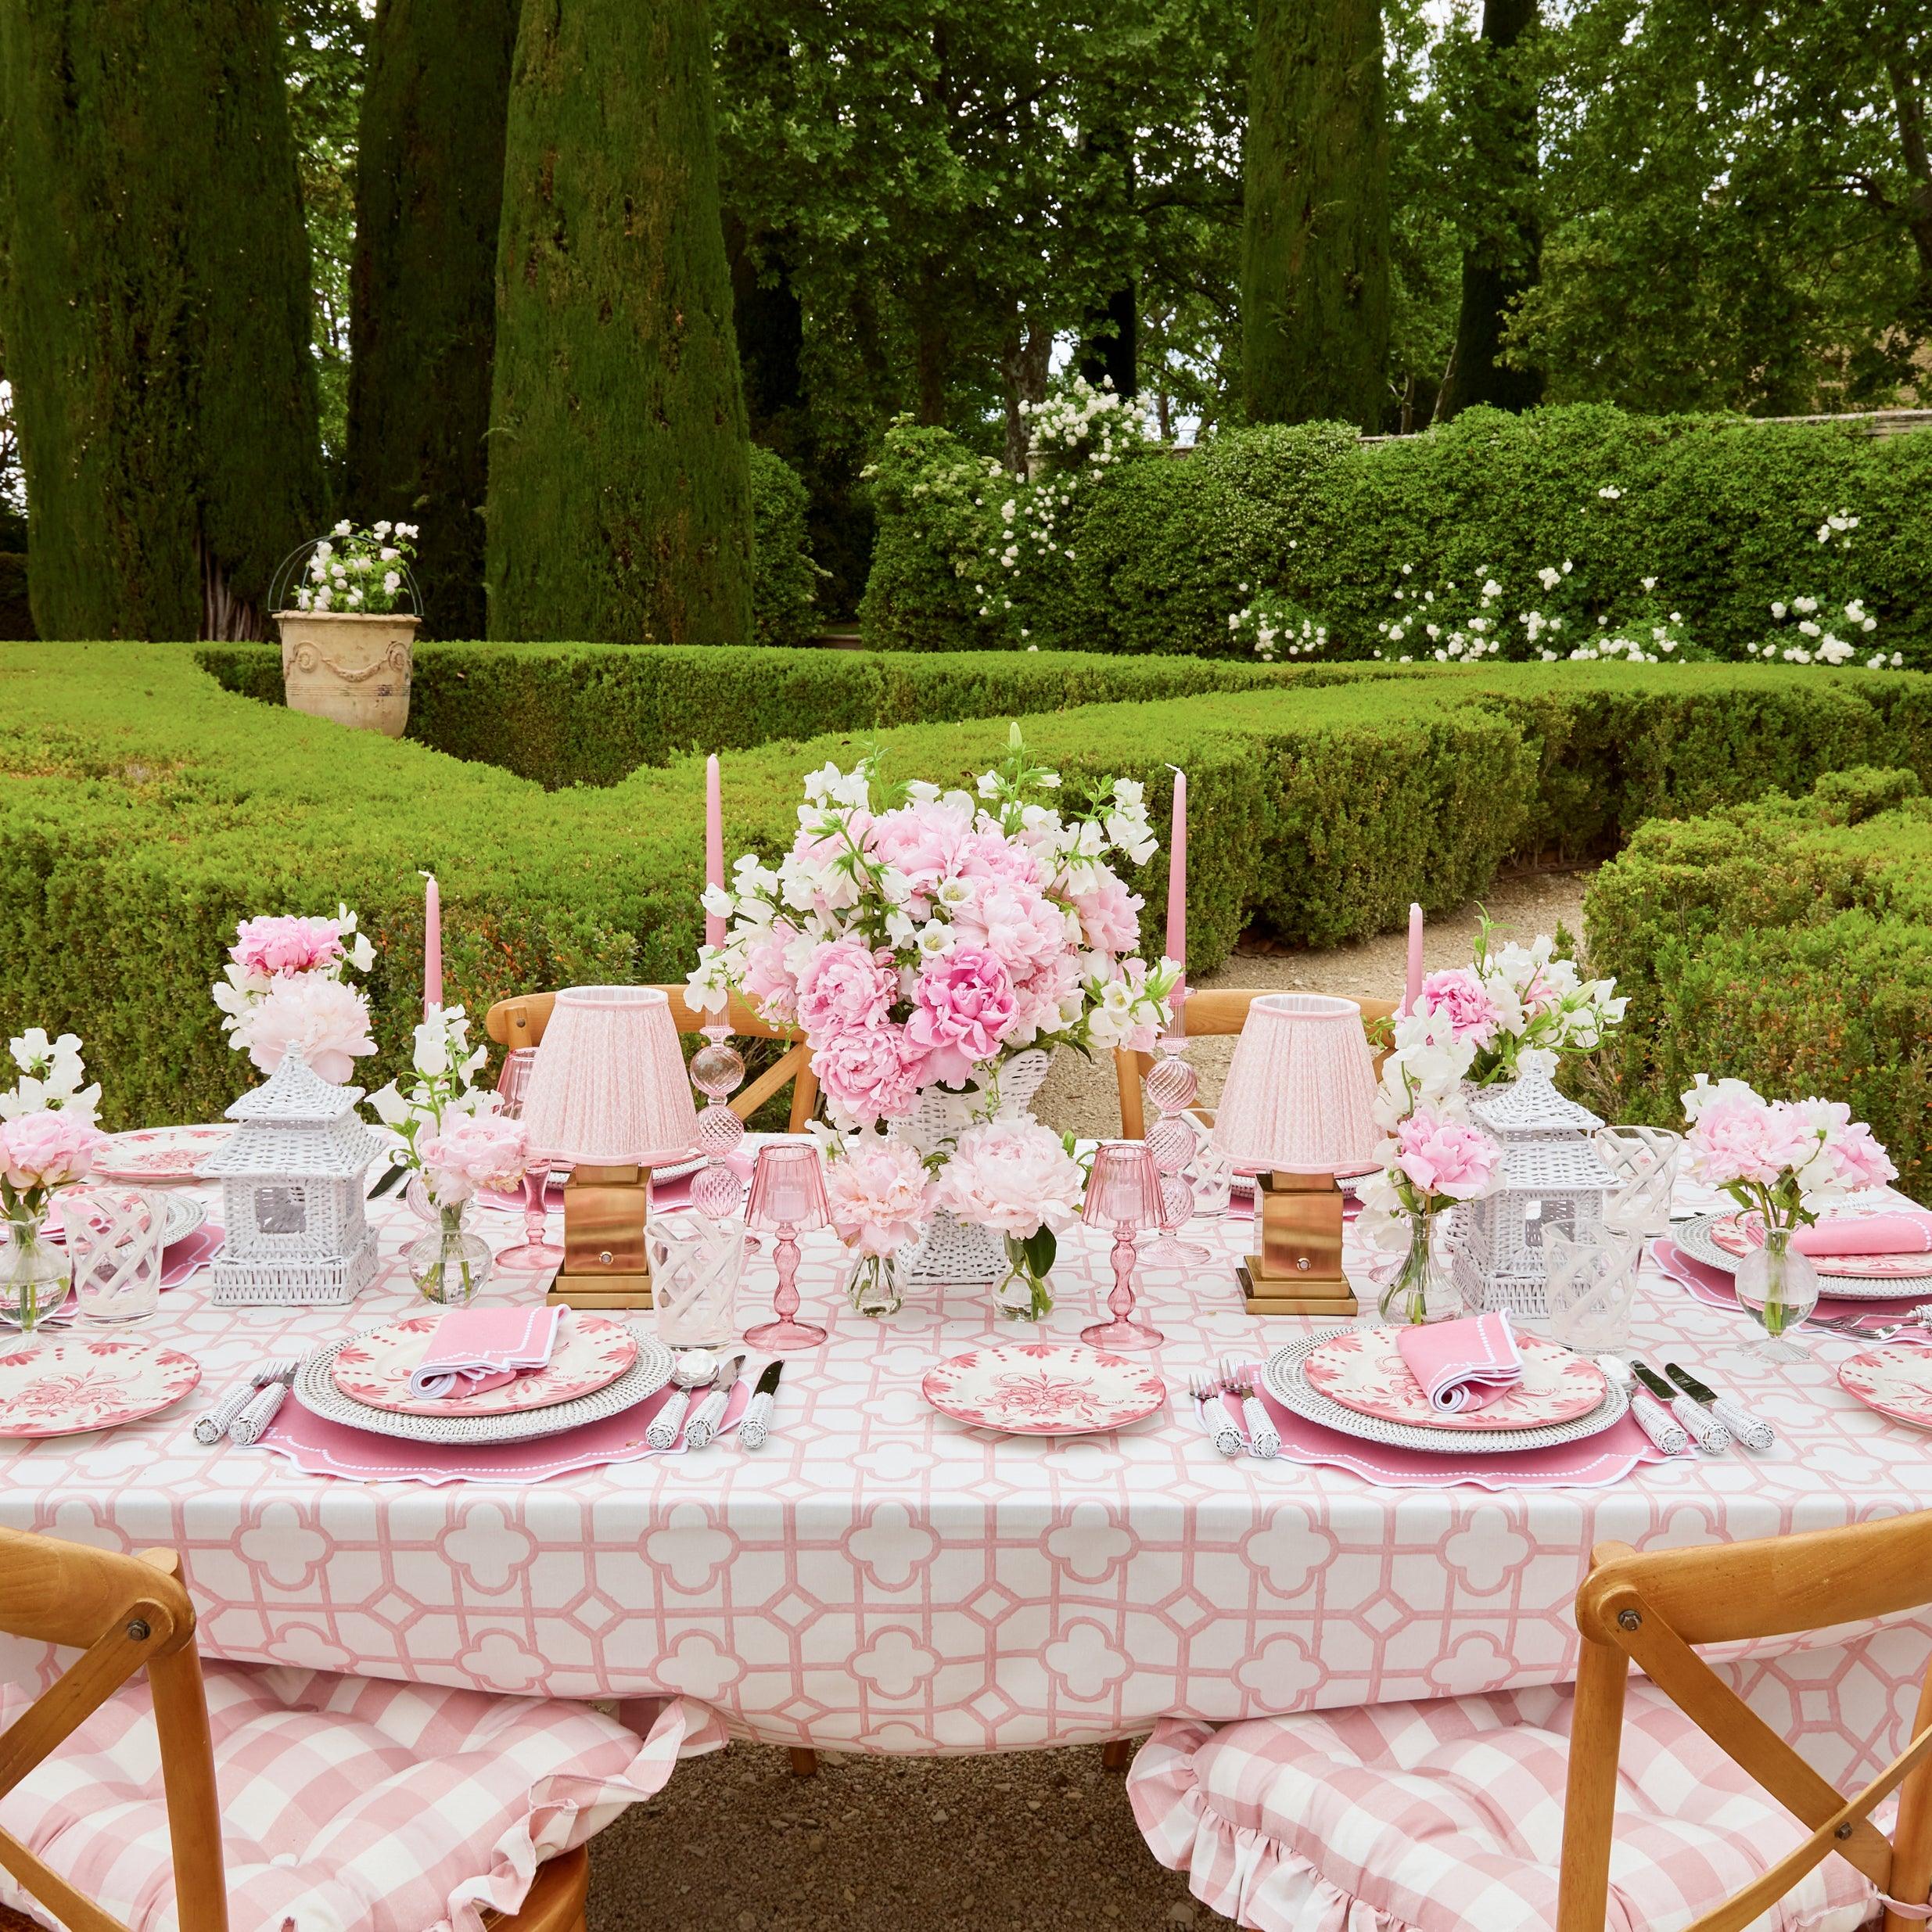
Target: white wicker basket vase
point(950, 1249)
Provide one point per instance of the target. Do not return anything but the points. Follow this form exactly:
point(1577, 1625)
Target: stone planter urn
point(353, 667)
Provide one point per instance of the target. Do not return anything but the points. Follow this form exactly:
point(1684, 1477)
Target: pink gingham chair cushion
point(1447, 1816)
point(347, 1803)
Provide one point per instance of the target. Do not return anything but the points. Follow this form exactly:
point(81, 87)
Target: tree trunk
point(1024, 363)
point(422, 287)
point(1497, 269)
point(1908, 104)
point(155, 303)
point(769, 323)
point(1316, 241)
point(620, 473)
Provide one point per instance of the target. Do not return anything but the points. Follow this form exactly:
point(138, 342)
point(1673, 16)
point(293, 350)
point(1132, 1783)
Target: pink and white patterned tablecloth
point(882, 1577)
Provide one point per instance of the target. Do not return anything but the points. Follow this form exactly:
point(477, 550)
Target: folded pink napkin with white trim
point(1860, 1234)
point(1462, 1364)
point(476, 1349)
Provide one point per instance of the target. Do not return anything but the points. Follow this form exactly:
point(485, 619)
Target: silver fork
point(1855, 1331)
point(1264, 1442)
point(1205, 1388)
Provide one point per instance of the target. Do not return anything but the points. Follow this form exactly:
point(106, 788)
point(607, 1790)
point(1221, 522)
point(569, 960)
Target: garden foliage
point(1157, 551)
point(1787, 942)
point(144, 810)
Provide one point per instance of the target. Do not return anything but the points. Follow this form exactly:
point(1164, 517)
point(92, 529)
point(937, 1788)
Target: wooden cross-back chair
point(1653, 1610)
point(1222, 1009)
point(126, 1614)
point(520, 1022)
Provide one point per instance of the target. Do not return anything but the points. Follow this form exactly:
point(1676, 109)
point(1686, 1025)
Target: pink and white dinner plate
point(158, 1154)
point(375, 1369)
point(1897, 1382)
point(68, 1386)
point(1044, 1388)
point(1363, 1369)
point(1730, 1233)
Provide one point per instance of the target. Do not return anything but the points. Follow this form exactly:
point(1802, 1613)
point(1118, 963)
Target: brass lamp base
point(605, 1264)
point(1298, 1270)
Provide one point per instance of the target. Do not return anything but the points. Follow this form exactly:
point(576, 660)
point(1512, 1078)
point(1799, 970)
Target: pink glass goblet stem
point(785, 1332)
point(534, 1251)
point(1122, 1331)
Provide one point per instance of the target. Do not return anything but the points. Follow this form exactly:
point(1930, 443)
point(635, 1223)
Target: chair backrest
point(1652, 1610)
point(125, 1614)
point(520, 1022)
point(1222, 1009)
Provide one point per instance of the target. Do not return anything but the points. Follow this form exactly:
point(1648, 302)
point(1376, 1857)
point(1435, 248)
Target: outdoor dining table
point(881, 1577)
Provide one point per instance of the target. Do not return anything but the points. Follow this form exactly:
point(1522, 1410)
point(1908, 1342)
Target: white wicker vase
point(950, 1249)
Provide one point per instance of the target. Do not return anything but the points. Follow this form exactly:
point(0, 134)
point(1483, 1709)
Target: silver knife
point(756, 1424)
point(703, 1427)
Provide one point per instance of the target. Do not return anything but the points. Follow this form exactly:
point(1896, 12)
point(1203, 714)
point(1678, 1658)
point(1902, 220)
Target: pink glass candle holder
point(717, 1070)
point(534, 1251)
point(1171, 1084)
point(514, 1081)
point(788, 1199)
point(1123, 1192)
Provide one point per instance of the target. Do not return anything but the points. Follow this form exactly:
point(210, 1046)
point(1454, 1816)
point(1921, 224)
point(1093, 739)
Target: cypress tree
point(619, 502)
point(422, 289)
point(155, 303)
point(1498, 267)
point(1315, 252)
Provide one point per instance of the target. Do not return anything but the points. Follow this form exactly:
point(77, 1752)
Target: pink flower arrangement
point(473, 1151)
point(277, 944)
point(871, 1075)
point(1459, 995)
point(1789, 1160)
point(963, 1010)
point(1444, 1159)
point(876, 1192)
point(284, 985)
point(326, 1018)
point(845, 988)
point(1014, 1176)
point(47, 1150)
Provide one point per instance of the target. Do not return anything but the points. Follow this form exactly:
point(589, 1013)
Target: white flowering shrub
point(1276, 626)
point(359, 572)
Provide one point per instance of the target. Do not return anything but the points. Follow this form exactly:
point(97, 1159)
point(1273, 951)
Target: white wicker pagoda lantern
point(1553, 1177)
point(291, 1177)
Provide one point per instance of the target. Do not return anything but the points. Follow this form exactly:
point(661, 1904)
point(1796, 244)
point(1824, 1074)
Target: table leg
point(804, 1761)
point(1117, 1754)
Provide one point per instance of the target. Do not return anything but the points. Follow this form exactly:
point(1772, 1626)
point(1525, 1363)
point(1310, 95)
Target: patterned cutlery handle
point(1668, 1434)
point(1264, 1442)
point(703, 1426)
point(756, 1424)
point(1705, 1430)
point(248, 1426)
point(215, 1424)
point(1743, 1424)
point(669, 1419)
point(1219, 1426)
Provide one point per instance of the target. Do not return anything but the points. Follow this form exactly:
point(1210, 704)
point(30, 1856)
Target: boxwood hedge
point(144, 810)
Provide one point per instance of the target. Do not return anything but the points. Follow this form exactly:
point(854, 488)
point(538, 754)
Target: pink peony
point(1463, 999)
point(327, 1019)
point(474, 1150)
point(1747, 1140)
point(869, 1075)
point(768, 983)
point(282, 944)
point(1011, 1176)
point(1023, 930)
point(47, 1148)
point(922, 842)
point(986, 855)
point(877, 1192)
point(964, 1008)
point(1042, 998)
point(1445, 1157)
point(1861, 1158)
point(846, 989)
point(1110, 916)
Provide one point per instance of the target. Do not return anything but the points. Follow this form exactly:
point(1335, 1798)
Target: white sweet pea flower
point(432, 1045)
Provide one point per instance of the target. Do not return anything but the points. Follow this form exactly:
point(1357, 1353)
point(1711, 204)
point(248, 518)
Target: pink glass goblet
point(787, 1198)
point(534, 1251)
point(513, 1082)
point(1172, 1084)
point(1123, 1192)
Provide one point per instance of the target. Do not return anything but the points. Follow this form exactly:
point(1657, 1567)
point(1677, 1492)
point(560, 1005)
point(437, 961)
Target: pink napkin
point(476, 1349)
point(1858, 1234)
point(1462, 1364)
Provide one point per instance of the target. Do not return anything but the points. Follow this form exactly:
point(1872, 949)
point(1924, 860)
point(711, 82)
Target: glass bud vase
point(1779, 1286)
point(1419, 1288)
point(874, 1287)
point(33, 1274)
point(449, 1265)
point(1025, 1293)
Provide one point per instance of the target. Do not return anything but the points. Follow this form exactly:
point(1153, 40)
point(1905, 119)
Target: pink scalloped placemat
point(1595, 1462)
point(1716, 1289)
point(318, 1447)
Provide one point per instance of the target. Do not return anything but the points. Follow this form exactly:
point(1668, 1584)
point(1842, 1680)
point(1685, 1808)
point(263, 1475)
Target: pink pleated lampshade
point(1300, 1089)
point(607, 1088)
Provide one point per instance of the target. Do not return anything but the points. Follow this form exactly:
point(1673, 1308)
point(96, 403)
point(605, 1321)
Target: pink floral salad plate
point(75, 1384)
point(158, 1154)
point(1363, 1369)
point(1044, 1388)
point(1732, 1233)
point(591, 1352)
point(1896, 1382)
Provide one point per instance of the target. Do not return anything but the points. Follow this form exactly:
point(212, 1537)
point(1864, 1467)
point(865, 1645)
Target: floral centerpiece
point(1522, 1007)
point(879, 1194)
point(465, 1153)
point(1786, 1162)
point(48, 1138)
point(1020, 1179)
point(920, 940)
point(283, 986)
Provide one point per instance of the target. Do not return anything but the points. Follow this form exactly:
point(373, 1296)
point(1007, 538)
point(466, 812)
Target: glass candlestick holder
point(717, 1071)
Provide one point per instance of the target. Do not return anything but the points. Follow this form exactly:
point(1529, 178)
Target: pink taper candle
point(1177, 874)
point(1413, 991)
point(714, 848)
point(431, 943)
